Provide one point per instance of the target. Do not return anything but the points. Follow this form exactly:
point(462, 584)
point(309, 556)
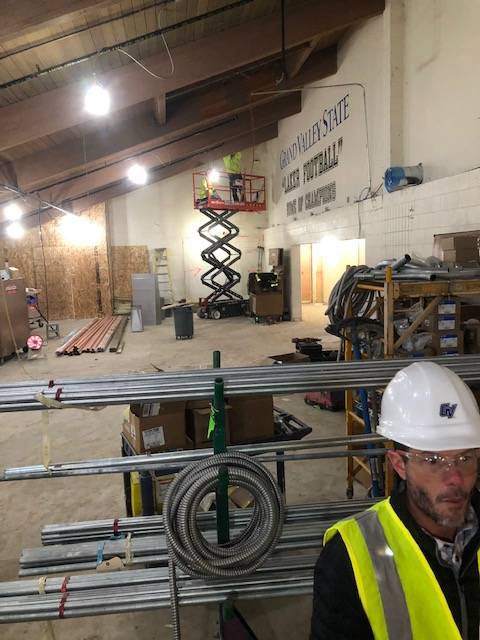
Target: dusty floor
point(27, 505)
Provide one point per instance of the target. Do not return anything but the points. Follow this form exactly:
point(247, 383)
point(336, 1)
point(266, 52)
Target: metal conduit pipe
point(178, 459)
point(143, 599)
point(243, 372)
point(397, 265)
point(146, 525)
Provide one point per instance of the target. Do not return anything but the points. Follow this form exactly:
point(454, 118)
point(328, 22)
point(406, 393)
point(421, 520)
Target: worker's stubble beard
point(421, 499)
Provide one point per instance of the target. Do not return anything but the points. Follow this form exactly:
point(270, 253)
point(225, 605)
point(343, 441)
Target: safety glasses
point(466, 462)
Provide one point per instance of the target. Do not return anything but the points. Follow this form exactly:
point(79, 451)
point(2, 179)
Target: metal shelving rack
point(387, 293)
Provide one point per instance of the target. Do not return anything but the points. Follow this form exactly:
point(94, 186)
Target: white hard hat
point(428, 407)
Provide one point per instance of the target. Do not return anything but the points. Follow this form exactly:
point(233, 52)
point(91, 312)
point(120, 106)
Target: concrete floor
point(28, 505)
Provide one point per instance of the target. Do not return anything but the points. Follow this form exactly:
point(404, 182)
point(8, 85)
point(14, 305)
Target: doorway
point(321, 266)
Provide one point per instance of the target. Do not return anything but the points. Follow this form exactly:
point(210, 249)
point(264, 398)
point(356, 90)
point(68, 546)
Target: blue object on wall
point(401, 177)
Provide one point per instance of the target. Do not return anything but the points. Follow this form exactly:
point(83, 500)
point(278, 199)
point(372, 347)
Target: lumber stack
point(94, 337)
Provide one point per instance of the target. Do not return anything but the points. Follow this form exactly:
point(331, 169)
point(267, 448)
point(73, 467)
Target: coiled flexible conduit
point(191, 551)
point(249, 550)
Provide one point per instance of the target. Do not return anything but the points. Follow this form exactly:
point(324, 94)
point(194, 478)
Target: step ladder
point(162, 271)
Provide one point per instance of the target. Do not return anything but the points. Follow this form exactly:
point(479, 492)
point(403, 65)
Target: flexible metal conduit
point(247, 551)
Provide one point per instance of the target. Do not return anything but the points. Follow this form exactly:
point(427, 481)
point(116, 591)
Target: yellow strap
point(51, 403)
point(42, 582)
point(128, 549)
point(45, 440)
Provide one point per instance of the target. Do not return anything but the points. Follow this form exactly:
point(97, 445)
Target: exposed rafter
point(62, 108)
point(185, 116)
point(213, 139)
point(175, 167)
point(24, 16)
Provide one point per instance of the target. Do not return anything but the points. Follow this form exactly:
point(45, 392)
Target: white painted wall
point(360, 60)
point(162, 215)
point(423, 105)
point(441, 110)
point(392, 224)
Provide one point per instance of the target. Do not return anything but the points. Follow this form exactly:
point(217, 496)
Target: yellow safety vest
point(205, 189)
point(398, 590)
point(233, 162)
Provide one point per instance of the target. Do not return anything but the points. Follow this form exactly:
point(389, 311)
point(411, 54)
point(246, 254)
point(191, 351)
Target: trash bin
point(183, 319)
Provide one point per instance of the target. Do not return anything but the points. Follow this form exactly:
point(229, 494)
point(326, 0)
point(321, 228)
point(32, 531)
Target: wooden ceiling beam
point(160, 109)
point(213, 140)
point(20, 17)
point(185, 115)
point(179, 166)
point(302, 57)
point(238, 125)
point(160, 173)
point(217, 54)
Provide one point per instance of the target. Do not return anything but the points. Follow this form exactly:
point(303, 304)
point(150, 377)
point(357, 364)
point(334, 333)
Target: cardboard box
point(446, 342)
point(469, 312)
point(269, 303)
point(162, 432)
point(448, 306)
point(463, 258)
point(442, 323)
point(455, 243)
point(197, 426)
point(472, 337)
point(251, 419)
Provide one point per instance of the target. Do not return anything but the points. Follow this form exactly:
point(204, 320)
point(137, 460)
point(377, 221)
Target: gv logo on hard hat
point(447, 410)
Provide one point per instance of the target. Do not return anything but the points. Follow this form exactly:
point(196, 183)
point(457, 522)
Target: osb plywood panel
point(125, 261)
point(74, 278)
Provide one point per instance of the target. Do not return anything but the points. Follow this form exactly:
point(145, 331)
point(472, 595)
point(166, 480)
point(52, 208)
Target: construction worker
point(407, 568)
point(233, 164)
point(206, 191)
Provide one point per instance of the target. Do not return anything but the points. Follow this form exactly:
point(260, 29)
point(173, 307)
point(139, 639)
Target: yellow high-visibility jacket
point(397, 587)
point(233, 162)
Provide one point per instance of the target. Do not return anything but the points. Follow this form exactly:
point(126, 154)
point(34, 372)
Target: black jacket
point(337, 611)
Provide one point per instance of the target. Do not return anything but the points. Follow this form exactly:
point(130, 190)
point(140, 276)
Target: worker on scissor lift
point(408, 567)
point(206, 191)
point(233, 166)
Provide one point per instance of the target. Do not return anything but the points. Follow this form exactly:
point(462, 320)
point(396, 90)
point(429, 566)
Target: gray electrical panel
point(145, 295)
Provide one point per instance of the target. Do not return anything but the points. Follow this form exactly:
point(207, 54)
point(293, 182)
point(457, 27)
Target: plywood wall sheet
point(74, 275)
point(125, 261)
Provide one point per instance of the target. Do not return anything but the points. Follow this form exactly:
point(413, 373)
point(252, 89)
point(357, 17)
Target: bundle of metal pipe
point(304, 526)
point(158, 575)
point(184, 385)
point(86, 556)
point(68, 533)
point(174, 460)
point(94, 337)
point(117, 593)
point(405, 268)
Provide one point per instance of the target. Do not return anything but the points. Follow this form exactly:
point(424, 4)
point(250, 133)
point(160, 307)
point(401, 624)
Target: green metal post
point(219, 446)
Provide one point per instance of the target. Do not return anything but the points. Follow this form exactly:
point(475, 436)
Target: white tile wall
point(392, 224)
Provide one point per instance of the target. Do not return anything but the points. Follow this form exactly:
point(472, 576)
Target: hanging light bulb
point(15, 231)
point(137, 174)
point(13, 211)
point(213, 176)
point(97, 100)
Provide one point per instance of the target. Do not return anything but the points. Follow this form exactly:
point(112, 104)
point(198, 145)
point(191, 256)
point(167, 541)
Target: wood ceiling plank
point(25, 16)
point(187, 114)
point(171, 169)
point(63, 108)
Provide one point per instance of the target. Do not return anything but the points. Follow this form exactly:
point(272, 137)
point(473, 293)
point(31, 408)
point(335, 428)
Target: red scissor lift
point(219, 201)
